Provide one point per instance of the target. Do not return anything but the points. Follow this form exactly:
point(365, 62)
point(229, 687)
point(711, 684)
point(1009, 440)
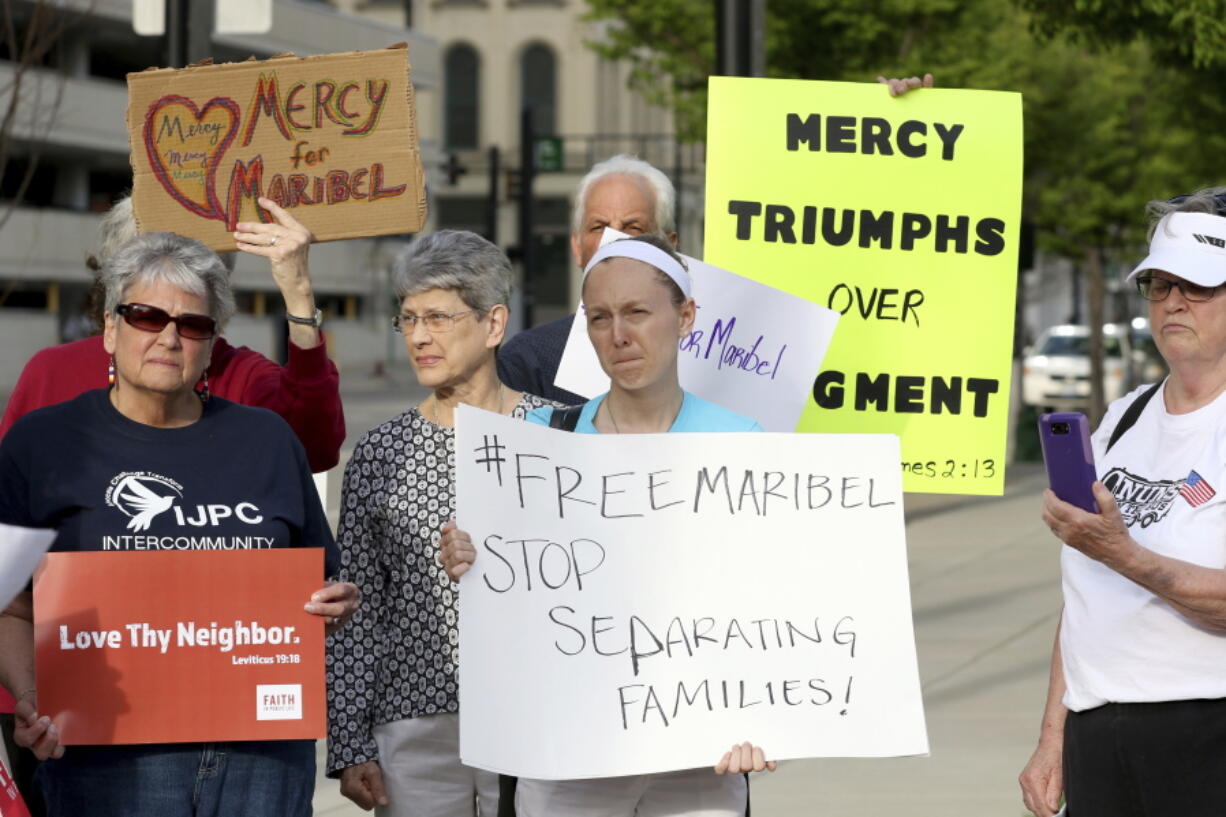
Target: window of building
point(114, 59)
point(21, 294)
point(41, 190)
point(106, 186)
point(460, 80)
point(538, 88)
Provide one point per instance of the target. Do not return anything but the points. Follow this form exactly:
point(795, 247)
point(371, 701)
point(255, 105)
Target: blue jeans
point(250, 778)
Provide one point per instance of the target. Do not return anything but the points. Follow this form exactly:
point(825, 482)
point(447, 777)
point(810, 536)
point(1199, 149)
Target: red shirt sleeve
point(305, 392)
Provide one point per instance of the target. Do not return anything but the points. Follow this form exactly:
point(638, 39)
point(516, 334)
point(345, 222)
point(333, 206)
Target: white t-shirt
point(1121, 643)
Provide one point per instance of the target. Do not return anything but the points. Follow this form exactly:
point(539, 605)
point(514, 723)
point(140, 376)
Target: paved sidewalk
point(986, 596)
point(985, 591)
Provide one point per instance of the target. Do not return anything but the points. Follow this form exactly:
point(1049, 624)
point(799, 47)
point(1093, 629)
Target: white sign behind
point(21, 549)
point(640, 603)
point(754, 349)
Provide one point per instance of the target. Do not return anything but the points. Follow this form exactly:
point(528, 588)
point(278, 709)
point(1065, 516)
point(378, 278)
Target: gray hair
point(118, 227)
point(179, 261)
point(1211, 200)
point(623, 164)
point(455, 260)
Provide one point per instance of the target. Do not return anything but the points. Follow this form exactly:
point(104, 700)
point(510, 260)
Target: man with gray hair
point(625, 193)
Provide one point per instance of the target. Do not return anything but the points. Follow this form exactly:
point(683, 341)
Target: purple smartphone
point(1065, 437)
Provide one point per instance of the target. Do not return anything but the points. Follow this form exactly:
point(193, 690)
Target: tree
point(1180, 32)
point(1108, 126)
point(31, 95)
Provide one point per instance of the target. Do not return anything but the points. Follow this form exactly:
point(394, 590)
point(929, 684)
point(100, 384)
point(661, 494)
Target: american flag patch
point(1196, 489)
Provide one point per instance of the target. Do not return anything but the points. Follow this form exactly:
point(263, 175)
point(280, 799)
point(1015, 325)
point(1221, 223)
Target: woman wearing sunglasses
point(1135, 721)
point(637, 301)
point(133, 461)
point(305, 391)
point(393, 692)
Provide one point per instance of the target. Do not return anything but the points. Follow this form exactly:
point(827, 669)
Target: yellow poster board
point(903, 214)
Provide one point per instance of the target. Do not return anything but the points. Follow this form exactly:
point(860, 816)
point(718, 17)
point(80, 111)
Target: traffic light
point(454, 169)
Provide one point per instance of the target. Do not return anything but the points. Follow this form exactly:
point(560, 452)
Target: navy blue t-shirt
point(236, 479)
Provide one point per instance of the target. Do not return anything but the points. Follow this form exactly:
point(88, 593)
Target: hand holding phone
point(1065, 437)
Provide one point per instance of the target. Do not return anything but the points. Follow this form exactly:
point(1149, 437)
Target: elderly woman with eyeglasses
point(157, 443)
point(393, 690)
point(1135, 722)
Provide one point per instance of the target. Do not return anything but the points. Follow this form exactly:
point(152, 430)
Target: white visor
point(1190, 245)
point(642, 251)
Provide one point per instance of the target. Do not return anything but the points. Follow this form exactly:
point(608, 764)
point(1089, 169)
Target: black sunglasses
point(151, 319)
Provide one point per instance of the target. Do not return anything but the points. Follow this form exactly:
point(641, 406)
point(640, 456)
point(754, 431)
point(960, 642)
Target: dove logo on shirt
point(142, 496)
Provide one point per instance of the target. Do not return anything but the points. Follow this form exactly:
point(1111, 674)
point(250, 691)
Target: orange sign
point(180, 646)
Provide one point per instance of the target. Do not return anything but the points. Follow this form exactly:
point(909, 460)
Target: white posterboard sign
point(21, 549)
point(639, 603)
point(754, 349)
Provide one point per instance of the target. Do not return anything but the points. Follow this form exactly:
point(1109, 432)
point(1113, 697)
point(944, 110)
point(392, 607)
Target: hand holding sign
point(898, 87)
point(744, 757)
point(336, 602)
point(36, 732)
point(455, 551)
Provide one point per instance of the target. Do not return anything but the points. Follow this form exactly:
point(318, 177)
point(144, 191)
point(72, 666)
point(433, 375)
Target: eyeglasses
point(1219, 202)
point(1155, 288)
point(151, 319)
point(433, 321)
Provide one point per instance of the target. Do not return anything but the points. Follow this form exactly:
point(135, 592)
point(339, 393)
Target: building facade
point(476, 66)
point(497, 58)
point(72, 116)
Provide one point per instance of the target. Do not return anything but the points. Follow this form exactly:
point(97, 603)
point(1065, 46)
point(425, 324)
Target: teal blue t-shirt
point(696, 415)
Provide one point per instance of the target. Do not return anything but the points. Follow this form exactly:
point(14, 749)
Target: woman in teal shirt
point(637, 302)
point(636, 295)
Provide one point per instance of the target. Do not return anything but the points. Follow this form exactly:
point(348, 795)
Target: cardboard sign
point(640, 603)
point(903, 216)
point(331, 138)
point(754, 349)
point(179, 646)
point(11, 804)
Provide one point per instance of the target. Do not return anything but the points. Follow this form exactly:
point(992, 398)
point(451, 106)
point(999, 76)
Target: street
point(986, 595)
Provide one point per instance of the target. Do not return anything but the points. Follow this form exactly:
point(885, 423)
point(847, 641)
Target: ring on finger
point(273, 241)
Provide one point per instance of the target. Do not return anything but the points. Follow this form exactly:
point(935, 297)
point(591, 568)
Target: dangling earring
point(204, 388)
point(110, 372)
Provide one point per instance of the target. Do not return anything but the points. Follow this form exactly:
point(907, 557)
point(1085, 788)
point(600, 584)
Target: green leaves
point(1122, 98)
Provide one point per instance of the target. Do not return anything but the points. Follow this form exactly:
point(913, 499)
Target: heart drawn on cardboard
point(185, 145)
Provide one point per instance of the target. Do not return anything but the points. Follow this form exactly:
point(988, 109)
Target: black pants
point(1147, 760)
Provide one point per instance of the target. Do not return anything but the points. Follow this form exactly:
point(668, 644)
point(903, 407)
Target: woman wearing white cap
point(1135, 722)
point(636, 295)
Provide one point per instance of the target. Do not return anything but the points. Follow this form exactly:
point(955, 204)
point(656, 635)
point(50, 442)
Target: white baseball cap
point(1190, 245)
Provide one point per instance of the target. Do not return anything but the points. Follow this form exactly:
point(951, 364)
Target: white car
point(1056, 370)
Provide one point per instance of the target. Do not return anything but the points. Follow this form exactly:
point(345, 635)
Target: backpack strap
point(565, 418)
point(1133, 413)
